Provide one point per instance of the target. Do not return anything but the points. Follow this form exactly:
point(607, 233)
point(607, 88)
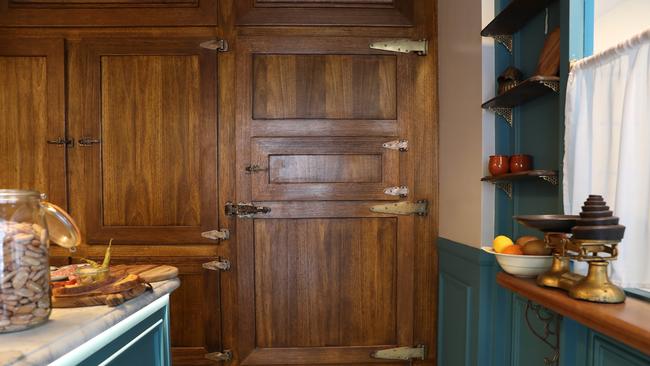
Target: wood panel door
point(32, 104)
point(321, 278)
point(149, 110)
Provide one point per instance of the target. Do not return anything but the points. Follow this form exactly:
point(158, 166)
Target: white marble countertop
point(69, 328)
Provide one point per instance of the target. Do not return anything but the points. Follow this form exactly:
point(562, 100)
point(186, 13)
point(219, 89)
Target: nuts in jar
point(24, 275)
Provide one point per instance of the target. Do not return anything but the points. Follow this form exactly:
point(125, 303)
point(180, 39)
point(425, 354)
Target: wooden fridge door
point(321, 278)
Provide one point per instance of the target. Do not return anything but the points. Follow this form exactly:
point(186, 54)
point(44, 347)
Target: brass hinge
point(221, 234)
point(219, 45)
point(419, 208)
point(401, 145)
point(402, 353)
point(420, 47)
point(226, 355)
point(401, 191)
point(245, 209)
point(221, 264)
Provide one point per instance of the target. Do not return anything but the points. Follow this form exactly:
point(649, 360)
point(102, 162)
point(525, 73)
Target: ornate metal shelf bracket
point(550, 178)
point(550, 333)
point(505, 40)
point(503, 112)
point(506, 187)
point(553, 85)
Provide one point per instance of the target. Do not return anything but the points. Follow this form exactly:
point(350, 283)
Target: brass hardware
point(505, 40)
point(245, 209)
point(219, 45)
point(401, 191)
point(88, 141)
point(220, 264)
point(221, 234)
point(419, 47)
point(401, 145)
point(549, 320)
point(552, 84)
point(550, 178)
point(596, 286)
point(552, 277)
point(418, 352)
point(226, 355)
point(403, 208)
point(254, 168)
point(61, 142)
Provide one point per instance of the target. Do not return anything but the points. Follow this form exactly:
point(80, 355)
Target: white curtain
point(607, 147)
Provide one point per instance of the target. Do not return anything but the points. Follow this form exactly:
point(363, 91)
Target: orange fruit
point(513, 249)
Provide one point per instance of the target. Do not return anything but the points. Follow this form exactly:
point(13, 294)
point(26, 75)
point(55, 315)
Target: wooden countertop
point(628, 322)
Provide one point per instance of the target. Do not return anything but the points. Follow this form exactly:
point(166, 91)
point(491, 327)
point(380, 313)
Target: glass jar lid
point(61, 227)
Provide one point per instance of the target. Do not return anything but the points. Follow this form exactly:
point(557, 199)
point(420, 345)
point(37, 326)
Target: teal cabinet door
point(606, 352)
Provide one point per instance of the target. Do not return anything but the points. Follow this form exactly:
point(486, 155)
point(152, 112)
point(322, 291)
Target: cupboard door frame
point(91, 52)
point(53, 50)
point(145, 13)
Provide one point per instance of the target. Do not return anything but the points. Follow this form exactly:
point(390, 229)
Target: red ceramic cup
point(499, 164)
point(520, 163)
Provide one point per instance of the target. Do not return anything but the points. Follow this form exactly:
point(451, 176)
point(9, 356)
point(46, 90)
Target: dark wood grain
point(385, 13)
point(324, 86)
point(97, 13)
point(31, 113)
point(626, 322)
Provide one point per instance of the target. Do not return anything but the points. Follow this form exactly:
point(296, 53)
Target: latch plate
point(401, 145)
point(419, 208)
point(245, 209)
point(219, 45)
point(221, 234)
point(226, 355)
point(221, 264)
point(420, 47)
point(401, 191)
point(402, 353)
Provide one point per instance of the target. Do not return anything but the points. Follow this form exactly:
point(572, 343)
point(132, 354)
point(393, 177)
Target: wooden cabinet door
point(149, 108)
point(31, 114)
point(321, 278)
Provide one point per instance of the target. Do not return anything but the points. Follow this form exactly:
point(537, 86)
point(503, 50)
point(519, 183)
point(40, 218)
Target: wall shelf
point(504, 181)
point(527, 90)
point(511, 19)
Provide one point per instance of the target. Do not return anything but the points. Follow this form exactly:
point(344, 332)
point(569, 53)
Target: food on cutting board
point(501, 242)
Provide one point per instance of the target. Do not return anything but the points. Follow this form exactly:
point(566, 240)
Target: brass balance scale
point(591, 237)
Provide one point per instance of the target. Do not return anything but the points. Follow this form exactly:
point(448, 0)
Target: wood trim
point(398, 14)
point(626, 322)
point(312, 355)
point(89, 15)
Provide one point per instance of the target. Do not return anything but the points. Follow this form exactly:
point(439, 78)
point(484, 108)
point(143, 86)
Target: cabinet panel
point(326, 12)
point(151, 176)
point(31, 113)
point(96, 13)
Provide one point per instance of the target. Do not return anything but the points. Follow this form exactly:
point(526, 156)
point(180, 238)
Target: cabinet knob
point(88, 141)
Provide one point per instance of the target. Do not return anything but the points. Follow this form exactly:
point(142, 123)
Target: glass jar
point(24, 267)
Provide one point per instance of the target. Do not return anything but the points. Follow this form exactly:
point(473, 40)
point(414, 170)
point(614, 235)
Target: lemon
point(501, 242)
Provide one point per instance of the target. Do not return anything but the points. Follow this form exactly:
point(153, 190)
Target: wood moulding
point(626, 322)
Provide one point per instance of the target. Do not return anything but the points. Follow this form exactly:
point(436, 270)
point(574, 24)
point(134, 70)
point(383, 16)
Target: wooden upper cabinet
point(385, 13)
point(148, 109)
point(31, 114)
point(97, 13)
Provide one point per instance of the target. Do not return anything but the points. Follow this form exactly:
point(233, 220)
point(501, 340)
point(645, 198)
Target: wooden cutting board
point(147, 272)
point(549, 58)
point(100, 299)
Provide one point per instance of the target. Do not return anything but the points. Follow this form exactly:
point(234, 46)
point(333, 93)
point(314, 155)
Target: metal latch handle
point(88, 141)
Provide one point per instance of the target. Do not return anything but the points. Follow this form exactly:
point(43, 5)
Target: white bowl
point(527, 266)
